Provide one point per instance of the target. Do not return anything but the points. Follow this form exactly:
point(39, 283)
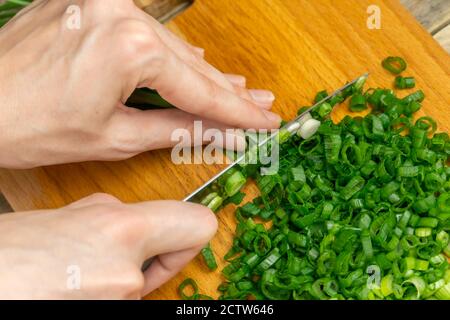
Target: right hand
point(106, 241)
point(62, 90)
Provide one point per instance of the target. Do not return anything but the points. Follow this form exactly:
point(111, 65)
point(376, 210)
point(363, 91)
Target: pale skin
point(62, 95)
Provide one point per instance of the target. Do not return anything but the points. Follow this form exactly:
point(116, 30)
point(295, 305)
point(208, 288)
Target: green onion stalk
point(10, 8)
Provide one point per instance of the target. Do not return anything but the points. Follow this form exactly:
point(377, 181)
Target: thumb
point(173, 226)
point(171, 231)
point(177, 232)
point(154, 228)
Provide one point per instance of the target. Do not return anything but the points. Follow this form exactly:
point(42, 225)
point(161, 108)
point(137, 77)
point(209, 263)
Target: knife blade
point(198, 195)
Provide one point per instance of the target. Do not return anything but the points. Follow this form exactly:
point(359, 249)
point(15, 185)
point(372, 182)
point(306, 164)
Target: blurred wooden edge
point(443, 37)
point(164, 10)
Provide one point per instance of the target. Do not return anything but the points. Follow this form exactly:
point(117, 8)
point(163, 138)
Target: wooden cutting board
point(293, 47)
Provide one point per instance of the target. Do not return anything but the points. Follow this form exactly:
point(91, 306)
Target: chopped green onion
point(358, 102)
point(394, 65)
point(423, 232)
point(208, 255)
point(324, 110)
point(443, 293)
point(405, 82)
point(414, 287)
point(235, 183)
point(368, 191)
point(353, 186)
point(387, 285)
point(417, 96)
point(188, 283)
point(212, 201)
point(309, 128)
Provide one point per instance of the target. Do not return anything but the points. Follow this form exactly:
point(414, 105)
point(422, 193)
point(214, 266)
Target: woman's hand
point(62, 90)
point(94, 248)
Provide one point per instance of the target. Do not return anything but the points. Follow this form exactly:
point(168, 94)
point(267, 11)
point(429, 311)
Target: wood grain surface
point(293, 47)
point(163, 10)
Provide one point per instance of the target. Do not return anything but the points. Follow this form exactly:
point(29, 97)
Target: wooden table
point(293, 47)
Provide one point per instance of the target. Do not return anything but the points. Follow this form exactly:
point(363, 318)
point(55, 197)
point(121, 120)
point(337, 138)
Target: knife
point(291, 127)
point(198, 195)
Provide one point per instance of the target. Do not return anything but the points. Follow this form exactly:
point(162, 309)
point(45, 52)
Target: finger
point(195, 93)
point(189, 54)
point(262, 98)
point(159, 129)
point(186, 52)
point(171, 226)
point(184, 49)
point(165, 266)
point(193, 56)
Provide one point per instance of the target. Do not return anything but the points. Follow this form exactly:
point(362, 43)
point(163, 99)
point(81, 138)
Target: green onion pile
point(360, 210)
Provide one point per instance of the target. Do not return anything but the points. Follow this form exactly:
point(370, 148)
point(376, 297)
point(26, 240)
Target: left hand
point(99, 244)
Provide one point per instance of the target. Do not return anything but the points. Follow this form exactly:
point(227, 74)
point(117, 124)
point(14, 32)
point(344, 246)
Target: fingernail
point(262, 96)
point(272, 116)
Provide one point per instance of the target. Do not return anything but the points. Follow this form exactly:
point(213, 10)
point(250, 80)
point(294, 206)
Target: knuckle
point(122, 138)
point(215, 96)
point(124, 215)
point(135, 38)
point(126, 226)
point(103, 197)
point(123, 143)
point(243, 93)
